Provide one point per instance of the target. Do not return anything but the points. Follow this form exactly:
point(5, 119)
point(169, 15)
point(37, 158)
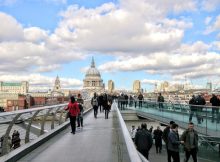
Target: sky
point(147, 40)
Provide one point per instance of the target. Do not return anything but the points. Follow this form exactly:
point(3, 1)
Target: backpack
point(95, 102)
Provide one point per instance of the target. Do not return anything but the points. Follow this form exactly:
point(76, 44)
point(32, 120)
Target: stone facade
point(137, 86)
point(93, 81)
point(14, 87)
point(111, 86)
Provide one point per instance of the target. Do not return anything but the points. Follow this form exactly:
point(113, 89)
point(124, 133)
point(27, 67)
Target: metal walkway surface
point(98, 141)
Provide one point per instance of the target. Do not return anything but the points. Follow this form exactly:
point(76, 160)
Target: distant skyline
point(147, 40)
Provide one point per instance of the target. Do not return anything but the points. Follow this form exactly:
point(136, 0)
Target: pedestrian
point(139, 128)
point(193, 108)
point(143, 141)
point(133, 132)
point(151, 129)
point(190, 138)
point(158, 139)
point(160, 100)
point(73, 109)
point(107, 110)
point(215, 109)
point(135, 101)
point(94, 103)
point(16, 141)
point(165, 138)
point(80, 115)
point(174, 142)
point(140, 99)
point(100, 102)
point(200, 102)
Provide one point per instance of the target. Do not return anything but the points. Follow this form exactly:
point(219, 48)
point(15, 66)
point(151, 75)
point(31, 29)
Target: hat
point(172, 122)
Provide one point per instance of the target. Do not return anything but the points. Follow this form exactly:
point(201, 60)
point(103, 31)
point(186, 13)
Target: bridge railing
point(208, 145)
point(132, 151)
point(31, 124)
point(205, 117)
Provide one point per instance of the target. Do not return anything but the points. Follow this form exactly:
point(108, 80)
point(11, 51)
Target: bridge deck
point(96, 142)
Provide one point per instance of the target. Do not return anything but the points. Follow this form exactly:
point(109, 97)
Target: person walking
point(133, 132)
point(94, 103)
point(190, 138)
point(80, 115)
point(193, 108)
point(106, 105)
point(200, 102)
point(215, 109)
point(143, 141)
point(100, 103)
point(160, 100)
point(165, 134)
point(158, 139)
point(73, 109)
point(174, 142)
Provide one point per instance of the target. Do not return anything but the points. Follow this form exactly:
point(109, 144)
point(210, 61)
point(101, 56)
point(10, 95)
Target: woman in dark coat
point(106, 105)
point(73, 109)
point(158, 139)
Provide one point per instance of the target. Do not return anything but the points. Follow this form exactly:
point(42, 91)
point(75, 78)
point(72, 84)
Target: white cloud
point(150, 81)
point(127, 28)
point(192, 61)
point(10, 29)
point(35, 34)
point(140, 35)
point(38, 80)
point(213, 27)
point(210, 5)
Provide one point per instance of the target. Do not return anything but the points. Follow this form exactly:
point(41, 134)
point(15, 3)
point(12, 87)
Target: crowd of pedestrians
point(103, 102)
point(143, 139)
point(125, 100)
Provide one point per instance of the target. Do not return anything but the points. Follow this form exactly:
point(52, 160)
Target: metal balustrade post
point(43, 121)
point(54, 117)
point(27, 136)
point(6, 135)
point(206, 121)
point(61, 115)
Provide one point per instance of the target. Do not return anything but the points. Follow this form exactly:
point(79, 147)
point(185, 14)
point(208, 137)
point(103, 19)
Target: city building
point(111, 86)
point(137, 86)
point(93, 81)
point(14, 87)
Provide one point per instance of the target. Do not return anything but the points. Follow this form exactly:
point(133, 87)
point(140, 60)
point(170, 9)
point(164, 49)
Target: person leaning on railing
point(215, 109)
point(200, 102)
point(160, 99)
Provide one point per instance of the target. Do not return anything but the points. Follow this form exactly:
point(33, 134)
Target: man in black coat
point(215, 109)
point(143, 141)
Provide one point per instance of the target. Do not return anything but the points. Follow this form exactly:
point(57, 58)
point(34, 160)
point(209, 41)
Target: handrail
point(132, 151)
point(30, 110)
point(54, 114)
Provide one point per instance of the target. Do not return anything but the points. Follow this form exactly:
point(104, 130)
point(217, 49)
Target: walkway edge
point(132, 151)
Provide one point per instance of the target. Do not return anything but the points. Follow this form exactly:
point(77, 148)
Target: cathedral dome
point(92, 71)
